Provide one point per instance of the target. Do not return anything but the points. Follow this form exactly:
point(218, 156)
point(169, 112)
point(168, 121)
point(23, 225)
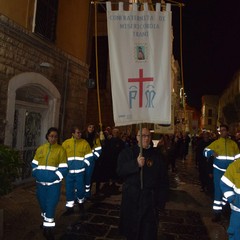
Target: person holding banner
point(144, 191)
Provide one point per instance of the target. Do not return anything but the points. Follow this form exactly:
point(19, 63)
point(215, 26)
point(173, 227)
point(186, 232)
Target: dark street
point(187, 215)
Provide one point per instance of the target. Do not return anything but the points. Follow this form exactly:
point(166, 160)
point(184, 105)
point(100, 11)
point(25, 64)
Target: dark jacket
point(138, 216)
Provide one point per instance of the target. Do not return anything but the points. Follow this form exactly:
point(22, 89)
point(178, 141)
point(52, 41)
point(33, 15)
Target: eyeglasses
point(145, 136)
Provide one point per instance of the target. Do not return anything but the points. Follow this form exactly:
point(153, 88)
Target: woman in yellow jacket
point(49, 167)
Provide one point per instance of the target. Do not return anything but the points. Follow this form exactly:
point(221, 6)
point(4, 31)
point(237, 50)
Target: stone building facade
point(229, 105)
point(209, 112)
point(40, 86)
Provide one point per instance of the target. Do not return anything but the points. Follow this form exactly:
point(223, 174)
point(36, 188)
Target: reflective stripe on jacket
point(79, 153)
point(97, 149)
point(227, 151)
point(49, 165)
point(230, 185)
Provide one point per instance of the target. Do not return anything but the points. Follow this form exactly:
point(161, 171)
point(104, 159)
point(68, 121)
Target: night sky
point(211, 46)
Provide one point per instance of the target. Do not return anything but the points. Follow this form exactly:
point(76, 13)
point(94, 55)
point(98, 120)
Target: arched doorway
point(32, 107)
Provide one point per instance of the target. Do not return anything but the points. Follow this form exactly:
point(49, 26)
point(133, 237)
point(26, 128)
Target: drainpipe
point(1, 223)
point(64, 99)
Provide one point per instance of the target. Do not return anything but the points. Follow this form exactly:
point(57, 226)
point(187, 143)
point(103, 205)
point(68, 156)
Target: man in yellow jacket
point(79, 156)
point(225, 151)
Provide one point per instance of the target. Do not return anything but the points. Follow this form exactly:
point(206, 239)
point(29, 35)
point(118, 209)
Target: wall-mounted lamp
point(91, 83)
point(46, 65)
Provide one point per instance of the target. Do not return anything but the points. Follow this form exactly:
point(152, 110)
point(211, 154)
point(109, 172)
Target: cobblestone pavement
point(187, 215)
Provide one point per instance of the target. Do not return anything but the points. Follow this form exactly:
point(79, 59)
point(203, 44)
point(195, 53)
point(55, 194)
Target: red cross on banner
point(141, 80)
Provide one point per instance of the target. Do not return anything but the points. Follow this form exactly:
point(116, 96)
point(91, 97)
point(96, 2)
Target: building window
point(46, 19)
point(210, 112)
point(209, 121)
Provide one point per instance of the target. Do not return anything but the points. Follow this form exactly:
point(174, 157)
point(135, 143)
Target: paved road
point(187, 215)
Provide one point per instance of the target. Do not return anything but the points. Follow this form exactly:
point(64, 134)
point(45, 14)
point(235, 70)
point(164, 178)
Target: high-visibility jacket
point(227, 151)
point(49, 165)
point(79, 154)
point(97, 149)
point(230, 185)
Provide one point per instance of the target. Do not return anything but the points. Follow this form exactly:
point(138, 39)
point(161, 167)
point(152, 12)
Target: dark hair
point(161, 136)
point(224, 126)
point(51, 129)
point(74, 128)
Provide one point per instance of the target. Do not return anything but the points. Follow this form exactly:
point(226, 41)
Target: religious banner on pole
point(166, 129)
point(140, 48)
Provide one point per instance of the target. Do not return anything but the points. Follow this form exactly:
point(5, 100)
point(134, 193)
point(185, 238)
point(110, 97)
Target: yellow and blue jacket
point(97, 149)
point(227, 151)
point(79, 154)
point(230, 185)
point(49, 165)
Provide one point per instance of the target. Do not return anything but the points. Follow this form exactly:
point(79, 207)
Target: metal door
point(27, 135)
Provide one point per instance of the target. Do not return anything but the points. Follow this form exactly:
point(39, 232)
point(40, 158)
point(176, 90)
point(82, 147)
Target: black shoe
point(87, 199)
point(82, 211)
point(48, 233)
point(216, 218)
point(81, 207)
point(68, 212)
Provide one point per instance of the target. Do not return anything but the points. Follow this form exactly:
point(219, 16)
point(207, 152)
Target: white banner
point(168, 129)
point(140, 64)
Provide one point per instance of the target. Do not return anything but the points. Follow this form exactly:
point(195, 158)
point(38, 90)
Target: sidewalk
point(187, 216)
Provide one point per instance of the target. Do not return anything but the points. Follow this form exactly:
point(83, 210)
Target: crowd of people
point(132, 160)
point(216, 156)
point(81, 160)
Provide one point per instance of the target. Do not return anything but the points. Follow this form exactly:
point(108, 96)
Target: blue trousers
point(88, 178)
point(75, 187)
point(48, 198)
point(234, 226)
point(218, 195)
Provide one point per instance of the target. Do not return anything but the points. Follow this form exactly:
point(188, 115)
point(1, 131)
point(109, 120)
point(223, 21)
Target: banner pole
point(97, 76)
point(140, 153)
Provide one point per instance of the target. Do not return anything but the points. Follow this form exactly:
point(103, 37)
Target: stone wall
point(22, 51)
